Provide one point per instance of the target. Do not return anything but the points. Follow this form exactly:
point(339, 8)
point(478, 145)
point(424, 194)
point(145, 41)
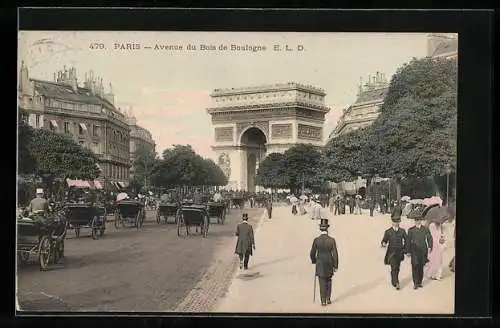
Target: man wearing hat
point(397, 211)
point(38, 204)
point(418, 246)
point(324, 255)
point(245, 242)
point(395, 240)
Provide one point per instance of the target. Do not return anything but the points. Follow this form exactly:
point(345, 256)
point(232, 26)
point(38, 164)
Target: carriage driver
point(38, 204)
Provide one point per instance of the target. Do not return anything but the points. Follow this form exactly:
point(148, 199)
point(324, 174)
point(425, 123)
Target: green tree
point(58, 156)
point(416, 129)
point(271, 172)
point(304, 167)
point(26, 161)
point(144, 161)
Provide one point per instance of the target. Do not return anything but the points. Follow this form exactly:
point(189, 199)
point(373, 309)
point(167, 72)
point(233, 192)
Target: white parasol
point(359, 197)
point(405, 198)
point(303, 197)
point(121, 196)
point(293, 199)
point(434, 200)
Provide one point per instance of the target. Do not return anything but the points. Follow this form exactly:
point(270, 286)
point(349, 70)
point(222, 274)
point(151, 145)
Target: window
point(37, 120)
point(66, 127)
point(95, 131)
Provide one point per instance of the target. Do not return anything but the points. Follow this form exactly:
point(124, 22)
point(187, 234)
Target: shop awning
point(79, 183)
point(122, 184)
point(54, 123)
point(97, 184)
point(83, 126)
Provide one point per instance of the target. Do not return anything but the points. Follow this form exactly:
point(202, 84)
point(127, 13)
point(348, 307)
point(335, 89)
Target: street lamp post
point(448, 171)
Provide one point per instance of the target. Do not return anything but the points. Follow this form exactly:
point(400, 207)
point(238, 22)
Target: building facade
point(366, 108)
point(443, 45)
point(86, 113)
point(140, 138)
point(249, 123)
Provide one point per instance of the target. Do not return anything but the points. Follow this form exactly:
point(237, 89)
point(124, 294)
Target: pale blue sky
point(169, 90)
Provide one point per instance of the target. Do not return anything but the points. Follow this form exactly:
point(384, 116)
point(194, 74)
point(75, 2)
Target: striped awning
point(84, 184)
point(54, 123)
point(83, 126)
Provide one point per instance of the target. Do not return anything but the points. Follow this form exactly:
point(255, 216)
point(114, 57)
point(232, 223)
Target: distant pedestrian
point(269, 207)
point(397, 211)
point(357, 205)
point(395, 241)
point(331, 203)
point(245, 243)
point(371, 204)
point(351, 204)
point(418, 246)
point(325, 256)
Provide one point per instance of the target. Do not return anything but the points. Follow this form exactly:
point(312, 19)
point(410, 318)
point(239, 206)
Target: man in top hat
point(38, 204)
point(324, 255)
point(245, 242)
point(418, 246)
point(395, 240)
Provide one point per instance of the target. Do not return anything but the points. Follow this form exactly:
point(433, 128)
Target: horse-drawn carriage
point(130, 213)
point(238, 202)
point(167, 210)
point(43, 236)
point(86, 215)
point(193, 215)
point(217, 210)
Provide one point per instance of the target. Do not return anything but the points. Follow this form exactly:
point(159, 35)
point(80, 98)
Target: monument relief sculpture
point(225, 164)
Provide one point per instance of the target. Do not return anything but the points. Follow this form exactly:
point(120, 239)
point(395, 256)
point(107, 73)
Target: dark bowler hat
point(245, 217)
point(396, 219)
point(324, 223)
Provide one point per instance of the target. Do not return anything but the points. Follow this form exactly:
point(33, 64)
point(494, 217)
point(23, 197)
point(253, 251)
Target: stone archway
point(253, 143)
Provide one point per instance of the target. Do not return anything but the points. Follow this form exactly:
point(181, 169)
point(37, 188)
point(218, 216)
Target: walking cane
point(314, 295)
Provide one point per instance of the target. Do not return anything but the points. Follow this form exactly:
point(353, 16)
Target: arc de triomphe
point(249, 123)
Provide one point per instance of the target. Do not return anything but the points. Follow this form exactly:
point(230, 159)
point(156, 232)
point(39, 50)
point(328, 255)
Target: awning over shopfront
point(83, 126)
point(84, 184)
point(54, 123)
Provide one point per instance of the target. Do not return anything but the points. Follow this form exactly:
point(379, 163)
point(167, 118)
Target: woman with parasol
point(436, 216)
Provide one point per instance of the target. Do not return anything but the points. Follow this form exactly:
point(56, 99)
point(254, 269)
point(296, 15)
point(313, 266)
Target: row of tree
point(179, 166)
point(414, 137)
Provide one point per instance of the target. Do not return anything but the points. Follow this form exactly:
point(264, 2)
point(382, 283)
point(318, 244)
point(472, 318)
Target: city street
point(130, 270)
point(280, 275)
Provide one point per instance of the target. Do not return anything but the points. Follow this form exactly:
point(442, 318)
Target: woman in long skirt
point(434, 267)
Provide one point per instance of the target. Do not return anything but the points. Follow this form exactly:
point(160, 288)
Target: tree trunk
point(397, 181)
point(435, 185)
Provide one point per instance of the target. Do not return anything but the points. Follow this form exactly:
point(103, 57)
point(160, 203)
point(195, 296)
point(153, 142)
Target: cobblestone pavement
point(130, 270)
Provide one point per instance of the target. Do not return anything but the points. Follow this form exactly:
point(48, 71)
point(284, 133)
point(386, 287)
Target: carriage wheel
point(117, 219)
point(94, 226)
point(179, 223)
point(44, 253)
point(206, 223)
point(158, 217)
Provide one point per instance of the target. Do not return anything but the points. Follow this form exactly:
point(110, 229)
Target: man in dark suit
point(395, 240)
point(324, 255)
point(245, 242)
point(397, 211)
point(418, 246)
point(269, 207)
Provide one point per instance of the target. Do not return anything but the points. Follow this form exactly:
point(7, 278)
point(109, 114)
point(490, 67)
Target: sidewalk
point(280, 277)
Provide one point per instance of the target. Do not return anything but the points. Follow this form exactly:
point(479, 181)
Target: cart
point(167, 210)
point(193, 215)
point(238, 202)
point(42, 236)
point(88, 216)
point(130, 213)
point(217, 210)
